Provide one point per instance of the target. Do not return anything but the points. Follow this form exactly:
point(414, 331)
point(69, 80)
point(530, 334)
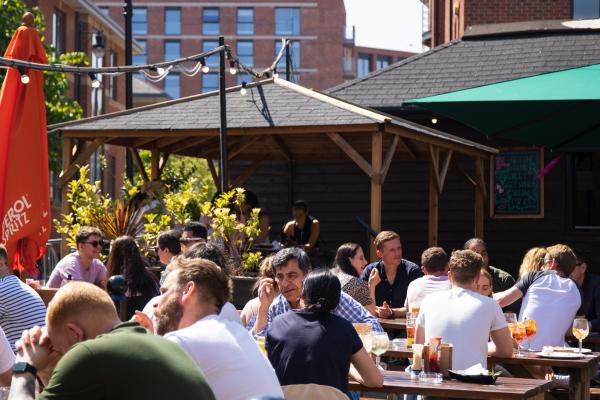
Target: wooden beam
point(462, 173)
point(282, 147)
point(445, 166)
point(163, 163)
point(433, 212)
point(355, 155)
point(139, 164)
point(186, 143)
point(478, 206)
point(82, 156)
point(67, 147)
point(216, 148)
point(389, 156)
point(248, 171)
point(434, 157)
point(213, 172)
point(236, 150)
point(143, 141)
point(376, 162)
point(409, 148)
point(154, 165)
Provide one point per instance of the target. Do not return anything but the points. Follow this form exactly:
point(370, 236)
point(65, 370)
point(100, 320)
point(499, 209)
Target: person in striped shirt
point(20, 306)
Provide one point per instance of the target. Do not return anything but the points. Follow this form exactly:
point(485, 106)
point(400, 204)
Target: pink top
point(71, 265)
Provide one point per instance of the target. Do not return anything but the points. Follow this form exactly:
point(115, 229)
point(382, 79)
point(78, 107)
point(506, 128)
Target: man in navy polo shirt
point(395, 273)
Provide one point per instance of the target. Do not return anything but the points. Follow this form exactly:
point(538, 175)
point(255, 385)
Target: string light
point(205, 68)
point(95, 81)
point(243, 89)
point(24, 76)
point(232, 68)
point(275, 74)
point(434, 120)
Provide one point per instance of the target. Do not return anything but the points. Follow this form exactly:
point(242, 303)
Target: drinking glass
point(581, 328)
point(519, 332)
point(380, 344)
point(410, 329)
point(530, 330)
point(511, 317)
point(367, 340)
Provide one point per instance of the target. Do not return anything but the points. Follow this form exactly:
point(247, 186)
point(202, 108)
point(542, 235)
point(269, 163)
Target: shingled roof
point(274, 115)
point(473, 61)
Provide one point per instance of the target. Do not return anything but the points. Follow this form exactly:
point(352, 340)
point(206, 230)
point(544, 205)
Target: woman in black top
point(125, 259)
point(303, 230)
point(312, 345)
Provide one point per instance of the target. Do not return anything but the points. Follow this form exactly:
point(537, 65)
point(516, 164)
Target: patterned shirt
point(355, 287)
point(348, 309)
point(20, 308)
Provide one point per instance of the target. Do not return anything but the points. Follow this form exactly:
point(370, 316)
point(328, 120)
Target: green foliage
point(123, 216)
point(59, 107)
point(236, 234)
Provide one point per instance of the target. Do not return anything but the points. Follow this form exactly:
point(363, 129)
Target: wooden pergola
point(278, 120)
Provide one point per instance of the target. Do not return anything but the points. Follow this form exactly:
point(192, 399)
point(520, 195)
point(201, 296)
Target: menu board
point(517, 189)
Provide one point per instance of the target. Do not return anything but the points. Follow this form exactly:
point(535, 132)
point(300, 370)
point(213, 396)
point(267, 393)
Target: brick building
point(322, 53)
point(446, 20)
point(75, 25)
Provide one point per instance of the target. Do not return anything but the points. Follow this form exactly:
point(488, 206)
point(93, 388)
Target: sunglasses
point(95, 243)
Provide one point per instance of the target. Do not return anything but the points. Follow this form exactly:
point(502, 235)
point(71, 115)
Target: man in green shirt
point(99, 357)
point(501, 280)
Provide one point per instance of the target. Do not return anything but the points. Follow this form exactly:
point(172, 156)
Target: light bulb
point(160, 70)
point(243, 89)
point(434, 120)
point(232, 70)
point(205, 69)
point(95, 81)
point(25, 79)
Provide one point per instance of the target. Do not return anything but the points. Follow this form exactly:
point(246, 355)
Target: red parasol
point(24, 181)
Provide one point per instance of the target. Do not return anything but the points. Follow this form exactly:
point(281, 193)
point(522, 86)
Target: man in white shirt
point(463, 317)
point(7, 360)
point(192, 296)
point(434, 264)
point(550, 297)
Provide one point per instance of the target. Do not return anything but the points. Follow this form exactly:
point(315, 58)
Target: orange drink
point(530, 328)
point(415, 311)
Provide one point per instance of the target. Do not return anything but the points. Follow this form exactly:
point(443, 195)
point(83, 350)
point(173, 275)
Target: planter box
point(242, 290)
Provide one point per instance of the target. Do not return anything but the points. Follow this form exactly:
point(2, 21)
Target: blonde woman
point(533, 260)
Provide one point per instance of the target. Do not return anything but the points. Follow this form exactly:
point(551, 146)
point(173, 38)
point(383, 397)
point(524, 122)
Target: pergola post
point(376, 163)
point(154, 165)
point(479, 193)
point(67, 148)
point(434, 193)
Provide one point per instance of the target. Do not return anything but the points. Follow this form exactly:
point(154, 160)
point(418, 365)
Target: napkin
point(476, 369)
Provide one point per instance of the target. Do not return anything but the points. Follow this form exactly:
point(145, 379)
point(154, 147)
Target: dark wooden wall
point(337, 192)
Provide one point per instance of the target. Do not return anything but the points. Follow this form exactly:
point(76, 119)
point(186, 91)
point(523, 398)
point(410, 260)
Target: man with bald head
point(99, 357)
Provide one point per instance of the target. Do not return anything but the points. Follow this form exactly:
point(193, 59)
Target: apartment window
point(172, 21)
point(383, 61)
point(58, 31)
point(212, 61)
point(140, 59)
point(586, 9)
point(294, 54)
point(172, 85)
point(112, 80)
point(105, 10)
point(210, 82)
point(364, 64)
point(242, 77)
point(172, 50)
point(245, 52)
point(287, 21)
point(245, 21)
point(210, 21)
point(139, 21)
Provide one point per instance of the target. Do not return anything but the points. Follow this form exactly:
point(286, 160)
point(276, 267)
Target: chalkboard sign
point(516, 190)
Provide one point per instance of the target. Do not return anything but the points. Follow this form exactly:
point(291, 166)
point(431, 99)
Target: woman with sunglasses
point(82, 265)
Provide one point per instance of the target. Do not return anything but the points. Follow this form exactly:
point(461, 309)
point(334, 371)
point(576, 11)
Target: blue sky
point(388, 24)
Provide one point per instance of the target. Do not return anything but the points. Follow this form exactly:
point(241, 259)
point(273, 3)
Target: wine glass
point(518, 332)
point(367, 340)
point(530, 330)
point(581, 328)
point(381, 343)
point(510, 317)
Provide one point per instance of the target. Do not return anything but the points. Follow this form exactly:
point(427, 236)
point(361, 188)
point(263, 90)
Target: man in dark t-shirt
point(395, 272)
point(589, 285)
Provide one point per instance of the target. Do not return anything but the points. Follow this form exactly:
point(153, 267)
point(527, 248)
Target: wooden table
point(391, 325)
point(581, 370)
point(397, 382)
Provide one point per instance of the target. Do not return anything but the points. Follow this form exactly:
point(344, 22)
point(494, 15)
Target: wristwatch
point(22, 367)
